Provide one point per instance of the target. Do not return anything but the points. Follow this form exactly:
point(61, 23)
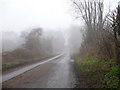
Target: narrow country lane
point(57, 73)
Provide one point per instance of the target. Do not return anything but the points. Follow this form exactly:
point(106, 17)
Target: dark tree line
point(114, 21)
point(101, 38)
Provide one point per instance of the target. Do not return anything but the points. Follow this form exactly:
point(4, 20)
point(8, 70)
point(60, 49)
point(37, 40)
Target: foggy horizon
point(20, 15)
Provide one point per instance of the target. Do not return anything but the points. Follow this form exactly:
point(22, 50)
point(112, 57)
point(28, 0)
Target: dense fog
point(11, 40)
point(58, 39)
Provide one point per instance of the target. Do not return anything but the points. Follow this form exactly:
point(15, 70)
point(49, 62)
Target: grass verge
point(99, 73)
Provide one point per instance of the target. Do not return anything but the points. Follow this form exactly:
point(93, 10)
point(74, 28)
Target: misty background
point(54, 16)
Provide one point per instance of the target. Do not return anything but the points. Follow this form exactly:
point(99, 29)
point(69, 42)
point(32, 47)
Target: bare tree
point(32, 41)
point(91, 12)
point(98, 41)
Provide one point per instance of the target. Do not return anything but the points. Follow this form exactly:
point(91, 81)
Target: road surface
point(57, 73)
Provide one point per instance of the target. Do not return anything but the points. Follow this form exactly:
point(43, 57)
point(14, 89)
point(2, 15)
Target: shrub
point(100, 73)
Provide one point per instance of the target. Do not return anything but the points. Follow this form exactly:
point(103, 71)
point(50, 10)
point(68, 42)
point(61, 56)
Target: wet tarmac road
point(58, 73)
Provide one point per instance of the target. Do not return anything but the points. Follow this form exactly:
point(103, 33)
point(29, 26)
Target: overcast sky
point(17, 15)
